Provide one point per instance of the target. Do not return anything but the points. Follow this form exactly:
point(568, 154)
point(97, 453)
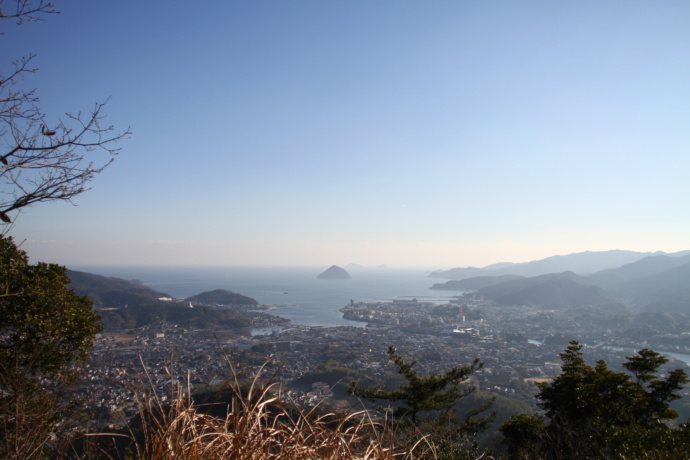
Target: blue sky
point(405, 133)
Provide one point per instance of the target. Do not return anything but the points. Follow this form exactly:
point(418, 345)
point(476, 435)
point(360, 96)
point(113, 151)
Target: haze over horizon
point(304, 133)
point(354, 266)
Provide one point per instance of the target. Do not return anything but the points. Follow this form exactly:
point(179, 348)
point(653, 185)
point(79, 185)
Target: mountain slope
point(581, 263)
point(128, 304)
point(556, 290)
point(474, 284)
point(222, 297)
point(620, 280)
point(667, 291)
point(463, 273)
point(106, 291)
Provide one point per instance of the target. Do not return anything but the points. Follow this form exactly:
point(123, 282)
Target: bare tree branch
point(26, 10)
point(41, 163)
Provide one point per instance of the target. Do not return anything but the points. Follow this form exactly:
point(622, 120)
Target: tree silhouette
point(44, 328)
point(43, 161)
point(434, 392)
point(594, 412)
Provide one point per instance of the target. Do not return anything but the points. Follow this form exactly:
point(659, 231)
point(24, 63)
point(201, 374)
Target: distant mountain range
point(129, 303)
point(649, 283)
point(582, 263)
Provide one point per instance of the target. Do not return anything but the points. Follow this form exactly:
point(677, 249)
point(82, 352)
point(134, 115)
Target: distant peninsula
point(126, 304)
point(222, 297)
point(334, 273)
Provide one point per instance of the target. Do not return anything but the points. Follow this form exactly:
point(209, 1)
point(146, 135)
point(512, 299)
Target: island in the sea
point(334, 273)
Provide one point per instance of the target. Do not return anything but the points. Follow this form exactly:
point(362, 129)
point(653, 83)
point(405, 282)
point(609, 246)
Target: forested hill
point(655, 283)
point(476, 283)
point(556, 290)
point(667, 289)
point(106, 291)
point(125, 304)
point(634, 279)
point(222, 297)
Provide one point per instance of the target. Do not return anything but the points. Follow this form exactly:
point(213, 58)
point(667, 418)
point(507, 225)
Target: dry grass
point(259, 425)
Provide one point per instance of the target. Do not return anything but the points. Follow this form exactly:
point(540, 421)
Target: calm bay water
point(306, 300)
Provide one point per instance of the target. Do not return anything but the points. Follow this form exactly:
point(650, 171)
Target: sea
point(296, 292)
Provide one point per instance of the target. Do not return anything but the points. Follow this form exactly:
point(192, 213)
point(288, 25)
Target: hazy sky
point(443, 133)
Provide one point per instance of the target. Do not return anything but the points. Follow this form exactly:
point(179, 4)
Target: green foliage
point(223, 297)
point(449, 440)
point(451, 432)
point(200, 316)
point(501, 407)
point(44, 328)
point(433, 393)
point(524, 435)
point(106, 291)
point(44, 325)
point(594, 412)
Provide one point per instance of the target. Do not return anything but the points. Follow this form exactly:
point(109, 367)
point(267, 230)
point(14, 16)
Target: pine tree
point(593, 412)
point(430, 394)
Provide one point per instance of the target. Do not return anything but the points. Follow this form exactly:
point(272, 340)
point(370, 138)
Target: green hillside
point(556, 290)
point(125, 304)
point(222, 297)
point(474, 284)
point(107, 291)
